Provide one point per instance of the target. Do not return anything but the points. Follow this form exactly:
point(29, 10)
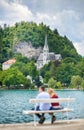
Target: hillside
point(30, 32)
point(25, 41)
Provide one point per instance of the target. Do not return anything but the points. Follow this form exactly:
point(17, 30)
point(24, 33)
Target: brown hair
point(42, 88)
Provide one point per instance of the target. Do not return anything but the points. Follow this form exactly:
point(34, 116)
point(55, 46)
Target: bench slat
point(51, 100)
point(47, 111)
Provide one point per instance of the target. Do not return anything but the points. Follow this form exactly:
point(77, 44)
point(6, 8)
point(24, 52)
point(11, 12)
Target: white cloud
point(80, 47)
point(81, 27)
point(20, 12)
point(15, 12)
point(67, 22)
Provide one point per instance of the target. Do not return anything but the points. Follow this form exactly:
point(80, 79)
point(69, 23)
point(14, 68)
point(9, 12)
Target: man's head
point(41, 88)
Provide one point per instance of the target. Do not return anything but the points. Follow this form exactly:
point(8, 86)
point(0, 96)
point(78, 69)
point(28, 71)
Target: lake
point(13, 102)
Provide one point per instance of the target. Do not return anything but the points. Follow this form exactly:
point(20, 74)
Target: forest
point(67, 73)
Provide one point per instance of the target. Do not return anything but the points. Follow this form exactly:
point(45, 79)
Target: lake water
point(13, 102)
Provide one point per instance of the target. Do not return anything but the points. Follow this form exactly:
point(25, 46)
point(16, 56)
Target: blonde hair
point(51, 91)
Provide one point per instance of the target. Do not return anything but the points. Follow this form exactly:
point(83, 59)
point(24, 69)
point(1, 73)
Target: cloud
point(67, 22)
point(80, 47)
point(14, 12)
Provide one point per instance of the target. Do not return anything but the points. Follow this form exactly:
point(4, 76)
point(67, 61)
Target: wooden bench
point(60, 100)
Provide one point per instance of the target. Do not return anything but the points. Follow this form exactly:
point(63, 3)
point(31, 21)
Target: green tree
point(76, 81)
point(52, 83)
point(64, 73)
point(82, 84)
point(59, 85)
point(44, 70)
point(32, 71)
point(80, 68)
point(0, 67)
point(13, 77)
point(70, 60)
point(47, 76)
point(1, 43)
point(21, 58)
point(56, 31)
point(37, 81)
point(19, 65)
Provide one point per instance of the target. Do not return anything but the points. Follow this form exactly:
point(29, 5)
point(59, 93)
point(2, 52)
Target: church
point(45, 57)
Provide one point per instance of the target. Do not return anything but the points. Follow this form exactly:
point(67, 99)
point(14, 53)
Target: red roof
point(11, 61)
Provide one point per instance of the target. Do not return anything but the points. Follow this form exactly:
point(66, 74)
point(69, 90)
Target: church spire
point(46, 48)
point(45, 52)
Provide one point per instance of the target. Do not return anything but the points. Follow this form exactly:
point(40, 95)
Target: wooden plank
point(51, 100)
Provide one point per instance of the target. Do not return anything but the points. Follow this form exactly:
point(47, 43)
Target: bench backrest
point(52, 100)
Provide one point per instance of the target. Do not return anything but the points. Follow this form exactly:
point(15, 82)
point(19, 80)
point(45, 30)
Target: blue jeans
point(37, 109)
point(57, 108)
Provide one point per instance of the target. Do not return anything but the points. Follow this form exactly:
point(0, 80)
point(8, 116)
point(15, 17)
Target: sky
point(67, 16)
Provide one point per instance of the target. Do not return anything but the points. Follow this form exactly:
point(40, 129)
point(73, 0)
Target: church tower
point(45, 52)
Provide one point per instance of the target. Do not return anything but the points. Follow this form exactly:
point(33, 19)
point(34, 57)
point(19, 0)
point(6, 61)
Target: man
point(42, 106)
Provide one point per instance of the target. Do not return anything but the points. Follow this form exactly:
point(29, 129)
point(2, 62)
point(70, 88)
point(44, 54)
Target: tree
point(52, 69)
point(56, 31)
point(31, 68)
point(58, 85)
point(80, 68)
point(47, 76)
point(76, 81)
point(37, 81)
point(82, 84)
point(13, 77)
point(52, 83)
point(0, 67)
point(1, 43)
point(70, 60)
point(64, 73)
point(21, 58)
point(44, 69)
point(19, 65)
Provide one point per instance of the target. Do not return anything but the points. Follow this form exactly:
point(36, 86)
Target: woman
point(54, 106)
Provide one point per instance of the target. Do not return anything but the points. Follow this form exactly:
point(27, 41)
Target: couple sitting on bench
point(46, 106)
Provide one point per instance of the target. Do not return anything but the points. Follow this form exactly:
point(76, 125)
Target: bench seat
point(47, 111)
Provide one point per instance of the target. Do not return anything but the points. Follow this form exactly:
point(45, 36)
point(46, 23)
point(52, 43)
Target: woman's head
point(51, 91)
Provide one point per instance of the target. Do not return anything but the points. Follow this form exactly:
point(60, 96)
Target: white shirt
point(43, 106)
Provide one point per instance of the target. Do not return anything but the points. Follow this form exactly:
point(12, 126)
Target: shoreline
point(74, 89)
point(74, 124)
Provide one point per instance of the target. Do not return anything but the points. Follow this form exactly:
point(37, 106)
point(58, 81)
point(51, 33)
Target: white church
point(45, 57)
